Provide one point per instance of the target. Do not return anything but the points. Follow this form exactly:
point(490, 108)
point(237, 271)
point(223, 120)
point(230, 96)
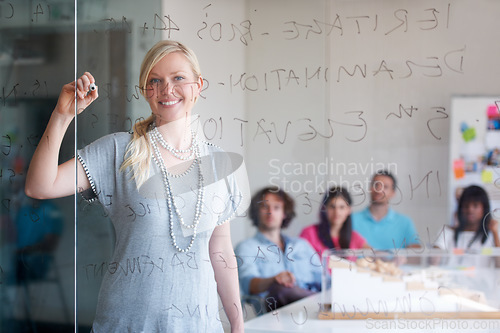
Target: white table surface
point(302, 316)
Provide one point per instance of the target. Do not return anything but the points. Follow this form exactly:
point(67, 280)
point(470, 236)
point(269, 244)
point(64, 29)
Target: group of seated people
point(281, 269)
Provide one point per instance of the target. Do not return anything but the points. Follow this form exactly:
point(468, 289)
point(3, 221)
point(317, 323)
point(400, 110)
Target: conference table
point(303, 316)
point(423, 299)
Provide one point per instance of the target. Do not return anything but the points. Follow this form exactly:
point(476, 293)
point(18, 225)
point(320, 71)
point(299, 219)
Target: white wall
point(412, 54)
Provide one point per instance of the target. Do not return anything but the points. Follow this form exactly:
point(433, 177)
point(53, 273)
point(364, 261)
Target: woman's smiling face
point(172, 88)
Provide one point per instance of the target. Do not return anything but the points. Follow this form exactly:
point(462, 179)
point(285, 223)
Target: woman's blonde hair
point(138, 153)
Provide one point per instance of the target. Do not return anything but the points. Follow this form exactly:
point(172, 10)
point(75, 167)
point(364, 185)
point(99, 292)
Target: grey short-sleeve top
point(149, 286)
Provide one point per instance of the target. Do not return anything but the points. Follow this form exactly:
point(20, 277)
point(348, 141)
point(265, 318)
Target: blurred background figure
point(476, 229)
point(334, 230)
point(272, 266)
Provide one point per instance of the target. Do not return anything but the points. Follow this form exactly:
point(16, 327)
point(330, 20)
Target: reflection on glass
point(36, 236)
point(112, 41)
point(359, 70)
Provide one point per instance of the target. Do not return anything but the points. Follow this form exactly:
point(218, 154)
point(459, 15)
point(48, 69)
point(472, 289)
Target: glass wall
point(311, 93)
point(112, 40)
point(36, 236)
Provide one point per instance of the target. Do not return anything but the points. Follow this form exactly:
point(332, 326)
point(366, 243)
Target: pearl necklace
point(176, 152)
point(172, 207)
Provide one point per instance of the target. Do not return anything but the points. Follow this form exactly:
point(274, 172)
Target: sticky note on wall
point(492, 111)
point(459, 169)
point(487, 176)
point(469, 134)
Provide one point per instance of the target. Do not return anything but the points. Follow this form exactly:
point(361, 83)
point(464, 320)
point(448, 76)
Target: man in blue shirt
point(278, 268)
point(381, 226)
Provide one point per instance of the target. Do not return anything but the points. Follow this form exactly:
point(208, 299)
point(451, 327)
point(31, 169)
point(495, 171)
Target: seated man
point(381, 226)
point(279, 268)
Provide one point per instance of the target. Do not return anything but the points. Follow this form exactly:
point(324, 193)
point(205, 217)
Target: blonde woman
point(169, 263)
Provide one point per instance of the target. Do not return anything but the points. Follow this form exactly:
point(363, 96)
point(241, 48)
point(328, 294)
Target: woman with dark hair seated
point(476, 229)
point(334, 230)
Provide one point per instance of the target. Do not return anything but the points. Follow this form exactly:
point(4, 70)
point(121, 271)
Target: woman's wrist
point(63, 117)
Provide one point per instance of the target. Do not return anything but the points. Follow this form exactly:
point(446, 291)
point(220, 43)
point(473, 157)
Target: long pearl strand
point(172, 207)
point(176, 152)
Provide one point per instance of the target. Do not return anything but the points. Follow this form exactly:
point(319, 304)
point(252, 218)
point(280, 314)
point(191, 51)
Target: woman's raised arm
point(46, 178)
